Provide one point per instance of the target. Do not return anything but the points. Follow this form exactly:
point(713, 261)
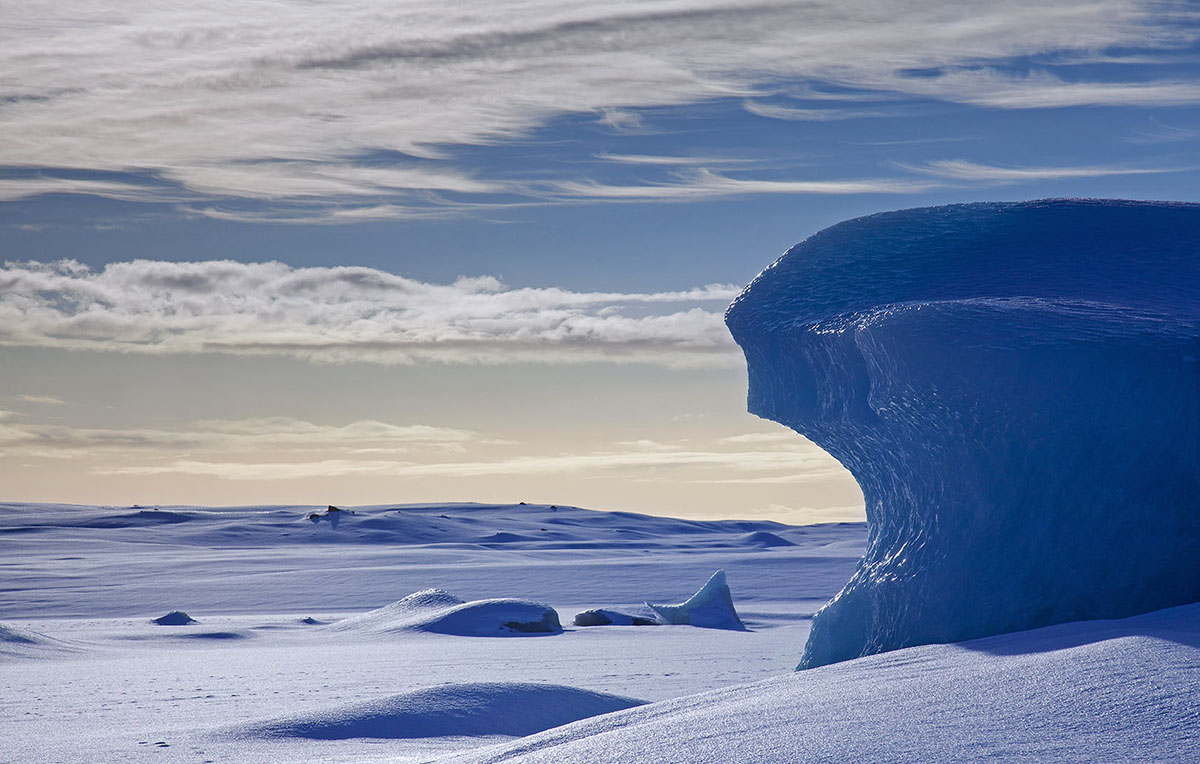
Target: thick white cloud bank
point(288, 100)
point(351, 314)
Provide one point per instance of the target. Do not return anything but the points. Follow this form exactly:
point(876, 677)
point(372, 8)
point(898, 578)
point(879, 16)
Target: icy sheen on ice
point(1015, 388)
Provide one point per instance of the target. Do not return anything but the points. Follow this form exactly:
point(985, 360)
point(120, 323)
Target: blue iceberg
point(1016, 389)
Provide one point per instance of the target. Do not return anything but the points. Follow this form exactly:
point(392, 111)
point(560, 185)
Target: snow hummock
point(439, 612)
point(467, 710)
point(1014, 387)
point(711, 607)
point(174, 618)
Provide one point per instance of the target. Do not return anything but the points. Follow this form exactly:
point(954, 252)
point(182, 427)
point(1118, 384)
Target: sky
point(385, 252)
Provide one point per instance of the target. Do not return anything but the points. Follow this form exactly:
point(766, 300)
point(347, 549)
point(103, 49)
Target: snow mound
point(1015, 389)
point(711, 607)
point(459, 710)
point(1107, 691)
point(439, 612)
point(174, 618)
point(764, 539)
point(606, 617)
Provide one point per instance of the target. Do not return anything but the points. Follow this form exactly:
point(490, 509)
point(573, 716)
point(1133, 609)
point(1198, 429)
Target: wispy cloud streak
point(706, 184)
point(961, 169)
point(298, 101)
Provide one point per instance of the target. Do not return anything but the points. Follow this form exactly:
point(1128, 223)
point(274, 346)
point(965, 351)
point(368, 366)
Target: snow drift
point(18, 642)
point(1015, 389)
point(1097, 691)
point(460, 710)
point(439, 612)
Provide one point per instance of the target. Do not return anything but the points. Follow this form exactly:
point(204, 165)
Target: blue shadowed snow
point(471, 709)
point(1015, 388)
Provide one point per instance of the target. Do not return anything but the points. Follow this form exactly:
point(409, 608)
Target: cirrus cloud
point(346, 106)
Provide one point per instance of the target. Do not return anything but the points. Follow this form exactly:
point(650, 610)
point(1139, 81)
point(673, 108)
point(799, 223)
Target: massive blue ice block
point(1016, 389)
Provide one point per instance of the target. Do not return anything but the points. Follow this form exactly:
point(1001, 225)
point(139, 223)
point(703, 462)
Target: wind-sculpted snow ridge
point(18, 642)
point(1015, 388)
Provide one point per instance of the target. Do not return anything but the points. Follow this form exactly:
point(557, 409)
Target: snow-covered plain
point(304, 648)
point(286, 661)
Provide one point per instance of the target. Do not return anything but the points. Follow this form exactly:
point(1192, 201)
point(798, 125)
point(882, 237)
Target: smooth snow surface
point(1015, 388)
point(711, 607)
point(1102, 691)
point(457, 710)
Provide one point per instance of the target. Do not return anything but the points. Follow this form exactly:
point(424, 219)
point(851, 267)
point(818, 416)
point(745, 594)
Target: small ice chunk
point(606, 617)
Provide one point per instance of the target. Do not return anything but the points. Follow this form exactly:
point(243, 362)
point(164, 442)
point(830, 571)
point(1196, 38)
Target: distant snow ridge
point(711, 607)
point(472, 709)
point(1015, 388)
point(437, 611)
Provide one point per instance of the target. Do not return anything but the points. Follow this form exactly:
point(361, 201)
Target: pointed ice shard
point(711, 607)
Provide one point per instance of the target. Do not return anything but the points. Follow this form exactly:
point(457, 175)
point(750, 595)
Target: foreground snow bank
point(459, 710)
point(439, 612)
point(1080, 692)
point(1015, 388)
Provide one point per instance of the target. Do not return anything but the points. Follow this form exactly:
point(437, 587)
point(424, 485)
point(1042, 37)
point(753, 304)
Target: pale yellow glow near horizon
point(218, 430)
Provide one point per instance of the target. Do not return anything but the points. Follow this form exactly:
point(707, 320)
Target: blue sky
point(501, 234)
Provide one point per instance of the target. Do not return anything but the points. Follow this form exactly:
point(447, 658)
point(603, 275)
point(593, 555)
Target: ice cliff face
point(1015, 387)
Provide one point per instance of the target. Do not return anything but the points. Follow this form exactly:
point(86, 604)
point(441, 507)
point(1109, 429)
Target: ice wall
point(1016, 389)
